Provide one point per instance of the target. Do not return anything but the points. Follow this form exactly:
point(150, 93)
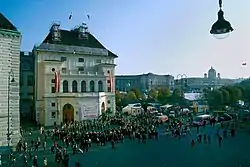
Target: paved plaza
point(167, 151)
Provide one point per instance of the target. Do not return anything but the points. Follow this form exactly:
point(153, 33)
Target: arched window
point(83, 86)
point(100, 86)
point(74, 86)
point(92, 86)
point(65, 86)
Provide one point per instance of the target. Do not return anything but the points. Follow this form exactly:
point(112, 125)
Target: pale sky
point(159, 36)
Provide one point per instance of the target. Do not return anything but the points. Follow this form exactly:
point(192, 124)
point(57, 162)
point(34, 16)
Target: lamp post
point(221, 28)
point(10, 80)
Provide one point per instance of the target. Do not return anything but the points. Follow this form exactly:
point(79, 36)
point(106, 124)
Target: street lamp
point(221, 28)
point(10, 80)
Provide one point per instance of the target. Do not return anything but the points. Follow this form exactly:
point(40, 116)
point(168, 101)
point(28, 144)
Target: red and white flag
point(57, 81)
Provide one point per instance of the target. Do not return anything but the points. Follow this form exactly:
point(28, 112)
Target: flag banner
point(57, 81)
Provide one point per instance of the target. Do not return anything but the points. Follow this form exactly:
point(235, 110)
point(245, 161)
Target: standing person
point(209, 139)
point(25, 161)
point(45, 162)
point(220, 140)
point(35, 164)
point(113, 144)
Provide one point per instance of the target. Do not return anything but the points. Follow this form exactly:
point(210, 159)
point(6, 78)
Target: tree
point(177, 96)
point(153, 94)
point(137, 93)
point(215, 99)
point(118, 100)
point(131, 97)
point(163, 95)
point(226, 96)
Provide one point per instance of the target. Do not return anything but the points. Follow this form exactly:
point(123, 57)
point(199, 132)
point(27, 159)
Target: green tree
point(226, 96)
point(131, 97)
point(118, 100)
point(137, 93)
point(163, 95)
point(215, 99)
point(153, 94)
point(177, 97)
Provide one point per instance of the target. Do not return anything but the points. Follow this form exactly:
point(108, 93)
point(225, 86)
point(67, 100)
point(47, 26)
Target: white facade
point(85, 75)
point(9, 60)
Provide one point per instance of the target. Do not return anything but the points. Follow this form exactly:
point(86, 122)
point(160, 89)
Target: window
point(64, 70)
point(74, 87)
point(53, 81)
point(63, 58)
point(30, 93)
point(109, 89)
point(53, 104)
point(98, 61)
point(92, 86)
point(30, 80)
point(80, 59)
point(65, 86)
point(100, 86)
point(53, 89)
point(108, 81)
point(83, 86)
point(81, 69)
point(53, 114)
point(108, 101)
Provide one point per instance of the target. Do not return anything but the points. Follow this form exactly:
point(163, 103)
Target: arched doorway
point(103, 107)
point(68, 113)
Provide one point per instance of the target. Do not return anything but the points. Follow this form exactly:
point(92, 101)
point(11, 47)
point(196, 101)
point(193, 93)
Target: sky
point(158, 36)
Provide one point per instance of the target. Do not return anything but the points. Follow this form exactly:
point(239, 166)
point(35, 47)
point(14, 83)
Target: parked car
point(162, 117)
point(225, 117)
point(171, 114)
point(201, 120)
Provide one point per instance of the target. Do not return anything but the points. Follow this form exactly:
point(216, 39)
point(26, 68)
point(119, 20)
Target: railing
point(71, 49)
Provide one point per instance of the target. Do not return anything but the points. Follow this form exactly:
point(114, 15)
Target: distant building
point(74, 76)
point(211, 80)
point(10, 41)
point(27, 83)
point(143, 82)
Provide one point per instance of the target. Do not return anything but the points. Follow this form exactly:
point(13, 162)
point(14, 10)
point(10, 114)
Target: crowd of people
point(79, 137)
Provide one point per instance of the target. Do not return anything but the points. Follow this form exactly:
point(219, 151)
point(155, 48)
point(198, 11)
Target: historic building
point(211, 80)
point(27, 86)
point(144, 82)
point(10, 40)
point(74, 76)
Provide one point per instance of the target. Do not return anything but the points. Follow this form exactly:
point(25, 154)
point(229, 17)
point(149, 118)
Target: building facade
point(10, 40)
point(77, 64)
point(211, 80)
point(27, 86)
point(144, 82)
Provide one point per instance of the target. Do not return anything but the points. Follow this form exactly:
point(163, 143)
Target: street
point(167, 151)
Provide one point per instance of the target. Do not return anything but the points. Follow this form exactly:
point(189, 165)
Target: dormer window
point(55, 32)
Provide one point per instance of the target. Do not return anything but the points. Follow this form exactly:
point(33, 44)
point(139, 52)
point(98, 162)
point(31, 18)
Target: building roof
point(6, 24)
point(72, 38)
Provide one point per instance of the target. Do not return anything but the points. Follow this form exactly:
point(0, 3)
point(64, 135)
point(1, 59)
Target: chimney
point(55, 32)
point(83, 31)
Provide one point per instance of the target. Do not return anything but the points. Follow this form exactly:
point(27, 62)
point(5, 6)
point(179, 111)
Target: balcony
point(74, 95)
